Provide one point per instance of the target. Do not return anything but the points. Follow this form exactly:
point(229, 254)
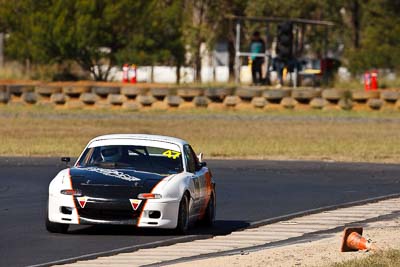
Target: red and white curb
point(279, 231)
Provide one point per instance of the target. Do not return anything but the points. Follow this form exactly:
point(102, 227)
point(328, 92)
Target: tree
point(379, 38)
point(203, 21)
point(159, 40)
point(93, 33)
point(108, 33)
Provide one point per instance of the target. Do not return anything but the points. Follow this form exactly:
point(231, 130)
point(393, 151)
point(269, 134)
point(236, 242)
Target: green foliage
point(159, 39)
point(380, 37)
point(93, 33)
point(97, 33)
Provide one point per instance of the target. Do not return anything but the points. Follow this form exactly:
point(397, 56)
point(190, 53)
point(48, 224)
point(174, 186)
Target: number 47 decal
point(172, 154)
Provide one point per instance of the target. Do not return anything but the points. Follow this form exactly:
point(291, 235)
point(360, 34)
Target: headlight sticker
point(82, 201)
point(172, 154)
point(135, 203)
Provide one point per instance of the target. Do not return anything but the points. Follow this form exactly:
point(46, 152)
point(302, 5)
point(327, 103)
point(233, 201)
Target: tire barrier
point(104, 91)
point(333, 95)
point(390, 96)
point(231, 101)
point(136, 97)
point(173, 100)
point(318, 103)
point(89, 98)
point(218, 94)
point(47, 91)
point(116, 99)
point(375, 103)
point(188, 94)
point(304, 95)
point(58, 98)
point(18, 90)
point(160, 93)
point(363, 96)
point(75, 91)
point(29, 97)
point(247, 94)
point(259, 102)
point(345, 104)
point(133, 92)
point(201, 101)
point(145, 100)
point(288, 102)
point(275, 95)
point(4, 97)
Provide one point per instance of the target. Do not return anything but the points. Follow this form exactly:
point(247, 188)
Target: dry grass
point(389, 258)
point(313, 135)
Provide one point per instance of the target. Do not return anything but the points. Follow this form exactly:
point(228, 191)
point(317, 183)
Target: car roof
point(147, 137)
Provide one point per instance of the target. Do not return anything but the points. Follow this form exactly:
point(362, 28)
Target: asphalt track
point(247, 191)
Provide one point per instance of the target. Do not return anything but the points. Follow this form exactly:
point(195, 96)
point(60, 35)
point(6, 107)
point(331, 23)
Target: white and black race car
point(131, 179)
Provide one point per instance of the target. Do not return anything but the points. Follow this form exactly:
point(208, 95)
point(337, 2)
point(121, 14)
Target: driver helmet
point(110, 153)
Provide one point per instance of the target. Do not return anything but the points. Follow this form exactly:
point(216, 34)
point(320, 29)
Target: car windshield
point(139, 158)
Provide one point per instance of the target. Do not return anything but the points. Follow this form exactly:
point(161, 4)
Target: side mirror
point(200, 157)
point(203, 164)
point(66, 159)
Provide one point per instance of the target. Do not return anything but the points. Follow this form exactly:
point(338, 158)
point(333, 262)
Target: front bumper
point(64, 209)
point(168, 214)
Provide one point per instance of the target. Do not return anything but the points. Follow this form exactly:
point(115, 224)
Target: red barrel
point(374, 80)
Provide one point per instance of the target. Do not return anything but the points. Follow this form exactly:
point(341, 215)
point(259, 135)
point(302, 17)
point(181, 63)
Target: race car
point(133, 179)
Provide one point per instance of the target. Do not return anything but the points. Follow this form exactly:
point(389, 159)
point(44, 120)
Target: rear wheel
point(183, 216)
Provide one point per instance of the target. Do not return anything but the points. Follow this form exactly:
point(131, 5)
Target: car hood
point(113, 183)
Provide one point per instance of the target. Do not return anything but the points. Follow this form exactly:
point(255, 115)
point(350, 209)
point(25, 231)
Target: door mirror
point(200, 165)
point(66, 159)
point(200, 157)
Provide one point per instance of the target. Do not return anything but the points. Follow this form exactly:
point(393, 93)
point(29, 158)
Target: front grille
point(108, 210)
point(107, 215)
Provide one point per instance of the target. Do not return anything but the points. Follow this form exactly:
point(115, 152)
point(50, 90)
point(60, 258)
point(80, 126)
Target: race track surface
point(247, 191)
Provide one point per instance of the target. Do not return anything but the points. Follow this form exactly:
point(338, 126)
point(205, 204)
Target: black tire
point(183, 216)
point(209, 216)
point(53, 227)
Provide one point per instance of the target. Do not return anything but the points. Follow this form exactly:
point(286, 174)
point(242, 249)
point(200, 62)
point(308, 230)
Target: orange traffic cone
point(353, 241)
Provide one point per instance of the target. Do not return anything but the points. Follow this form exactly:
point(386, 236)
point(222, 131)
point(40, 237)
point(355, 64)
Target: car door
point(199, 176)
point(196, 180)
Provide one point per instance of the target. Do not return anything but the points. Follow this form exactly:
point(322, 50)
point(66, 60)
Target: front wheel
point(183, 216)
point(53, 227)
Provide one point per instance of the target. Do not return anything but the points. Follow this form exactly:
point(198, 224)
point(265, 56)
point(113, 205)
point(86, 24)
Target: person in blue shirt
point(257, 46)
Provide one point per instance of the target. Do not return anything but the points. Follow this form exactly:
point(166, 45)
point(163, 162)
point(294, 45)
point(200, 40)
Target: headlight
point(71, 192)
point(149, 196)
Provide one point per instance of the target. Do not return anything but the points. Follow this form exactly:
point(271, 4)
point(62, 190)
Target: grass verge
point(388, 258)
point(314, 135)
